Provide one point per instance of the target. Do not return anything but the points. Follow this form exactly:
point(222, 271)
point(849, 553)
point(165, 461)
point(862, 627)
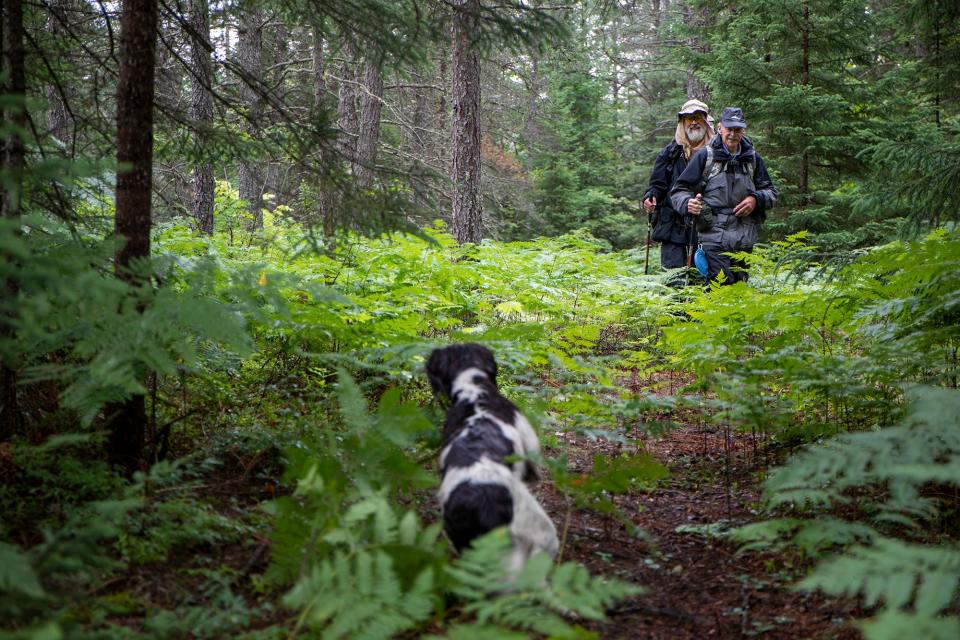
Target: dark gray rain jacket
point(731, 179)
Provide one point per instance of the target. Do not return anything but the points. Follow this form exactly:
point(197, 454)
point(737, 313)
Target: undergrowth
point(291, 372)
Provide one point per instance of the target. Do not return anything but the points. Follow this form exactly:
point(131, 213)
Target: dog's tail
point(473, 509)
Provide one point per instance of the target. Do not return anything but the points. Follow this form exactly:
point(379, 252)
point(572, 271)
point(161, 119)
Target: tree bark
point(201, 110)
point(371, 101)
point(804, 173)
point(58, 123)
point(465, 63)
point(697, 88)
point(135, 94)
point(250, 57)
point(11, 45)
point(278, 61)
point(319, 80)
point(326, 196)
point(419, 142)
point(347, 104)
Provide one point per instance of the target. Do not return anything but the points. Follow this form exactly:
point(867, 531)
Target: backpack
point(705, 221)
point(711, 168)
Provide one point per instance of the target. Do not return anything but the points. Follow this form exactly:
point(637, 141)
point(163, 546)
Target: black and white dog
point(481, 490)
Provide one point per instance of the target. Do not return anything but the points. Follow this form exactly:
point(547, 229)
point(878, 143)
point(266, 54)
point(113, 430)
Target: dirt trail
point(697, 587)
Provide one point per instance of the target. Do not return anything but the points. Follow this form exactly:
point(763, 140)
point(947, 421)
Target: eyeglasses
point(692, 117)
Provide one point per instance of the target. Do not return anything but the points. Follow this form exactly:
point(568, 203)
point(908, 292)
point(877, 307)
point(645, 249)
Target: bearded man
point(670, 228)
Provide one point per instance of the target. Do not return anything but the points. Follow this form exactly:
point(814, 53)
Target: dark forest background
point(342, 115)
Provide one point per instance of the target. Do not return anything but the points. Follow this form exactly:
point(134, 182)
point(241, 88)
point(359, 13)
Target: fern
point(901, 577)
point(538, 598)
point(360, 596)
point(925, 447)
point(894, 625)
point(814, 537)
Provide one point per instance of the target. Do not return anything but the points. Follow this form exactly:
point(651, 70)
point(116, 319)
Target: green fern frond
point(477, 631)
point(895, 625)
point(360, 596)
point(353, 405)
point(893, 573)
point(538, 598)
point(924, 448)
point(813, 536)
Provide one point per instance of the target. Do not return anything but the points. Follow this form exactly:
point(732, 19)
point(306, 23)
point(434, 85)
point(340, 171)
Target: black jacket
point(668, 225)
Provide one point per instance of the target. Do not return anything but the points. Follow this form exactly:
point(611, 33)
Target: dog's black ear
point(482, 358)
point(438, 371)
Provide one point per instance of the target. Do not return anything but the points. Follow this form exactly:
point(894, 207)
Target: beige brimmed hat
point(693, 106)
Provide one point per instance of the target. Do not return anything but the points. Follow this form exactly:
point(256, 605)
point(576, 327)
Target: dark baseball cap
point(732, 118)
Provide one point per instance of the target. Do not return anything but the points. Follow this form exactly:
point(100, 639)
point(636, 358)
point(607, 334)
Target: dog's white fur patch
point(464, 389)
point(531, 529)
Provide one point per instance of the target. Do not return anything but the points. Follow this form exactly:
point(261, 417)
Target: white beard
point(695, 136)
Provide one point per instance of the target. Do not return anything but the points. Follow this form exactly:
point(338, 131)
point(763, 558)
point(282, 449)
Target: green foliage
point(904, 459)
point(41, 585)
point(577, 173)
point(106, 333)
point(607, 476)
point(535, 600)
point(172, 519)
point(360, 596)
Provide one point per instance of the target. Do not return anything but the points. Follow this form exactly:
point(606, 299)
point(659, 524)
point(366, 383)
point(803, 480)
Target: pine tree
point(138, 36)
point(793, 66)
point(465, 82)
point(201, 108)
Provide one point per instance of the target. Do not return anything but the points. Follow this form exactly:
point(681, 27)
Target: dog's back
point(481, 490)
point(472, 510)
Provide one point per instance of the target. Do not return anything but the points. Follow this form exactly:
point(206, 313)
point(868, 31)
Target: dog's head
point(444, 365)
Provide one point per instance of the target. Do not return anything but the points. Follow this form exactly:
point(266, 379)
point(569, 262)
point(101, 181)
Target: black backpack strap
point(707, 168)
point(675, 154)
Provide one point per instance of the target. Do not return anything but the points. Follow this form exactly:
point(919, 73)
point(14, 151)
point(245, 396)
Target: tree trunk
point(369, 135)
point(697, 88)
point(11, 45)
point(279, 60)
point(201, 110)
point(135, 93)
point(249, 53)
point(319, 81)
point(803, 178)
point(465, 73)
point(58, 124)
point(347, 104)
point(419, 142)
point(325, 197)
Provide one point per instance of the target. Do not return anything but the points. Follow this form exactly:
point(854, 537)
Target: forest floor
point(697, 585)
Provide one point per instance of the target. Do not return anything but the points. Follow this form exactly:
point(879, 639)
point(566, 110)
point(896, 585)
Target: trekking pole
point(690, 249)
point(646, 257)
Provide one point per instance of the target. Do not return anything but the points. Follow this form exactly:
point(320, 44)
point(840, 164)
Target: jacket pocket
point(746, 234)
point(663, 225)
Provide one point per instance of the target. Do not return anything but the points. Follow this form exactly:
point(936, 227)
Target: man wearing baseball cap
point(728, 183)
point(670, 228)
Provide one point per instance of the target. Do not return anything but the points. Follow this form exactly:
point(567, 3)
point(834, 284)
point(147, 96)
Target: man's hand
point(746, 207)
point(650, 205)
point(694, 205)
